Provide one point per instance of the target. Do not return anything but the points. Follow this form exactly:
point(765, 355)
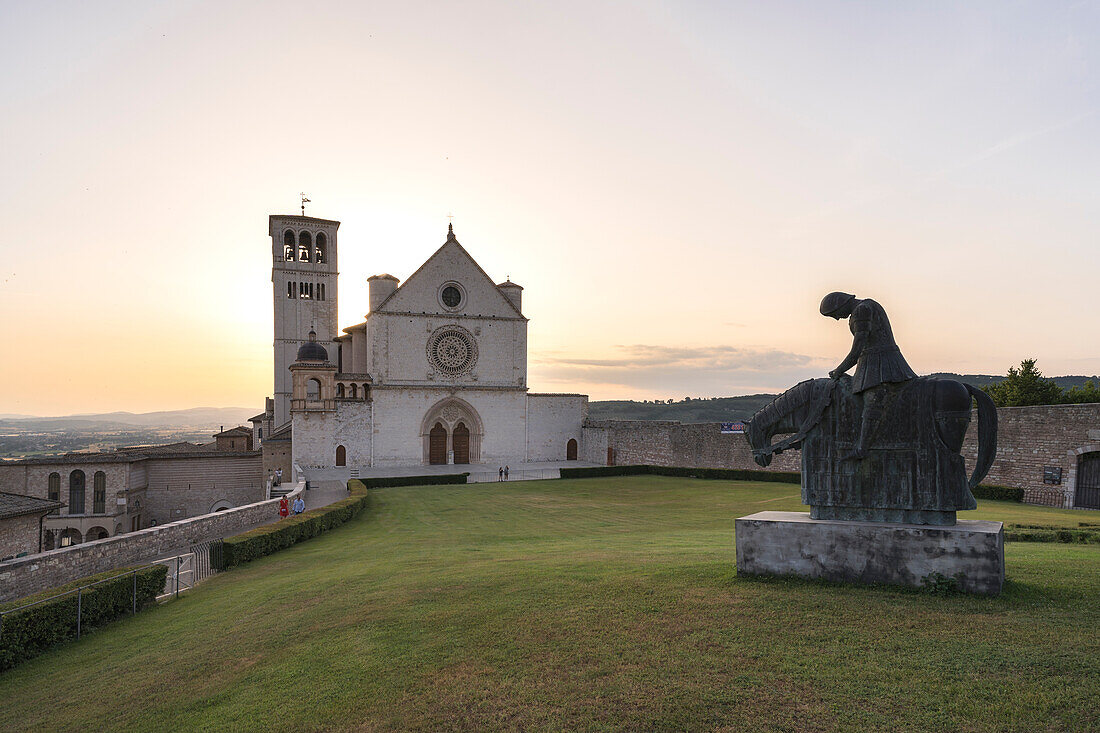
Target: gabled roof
point(17, 505)
point(239, 430)
point(452, 241)
point(258, 418)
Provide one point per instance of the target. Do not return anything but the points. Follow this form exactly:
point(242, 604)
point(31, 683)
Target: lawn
point(598, 604)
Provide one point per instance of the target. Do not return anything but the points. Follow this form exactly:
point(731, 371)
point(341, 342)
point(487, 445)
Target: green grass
point(599, 604)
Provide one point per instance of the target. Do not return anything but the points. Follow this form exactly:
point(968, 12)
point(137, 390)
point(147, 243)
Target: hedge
point(31, 631)
point(725, 474)
point(384, 481)
point(1085, 534)
point(1001, 493)
point(271, 538)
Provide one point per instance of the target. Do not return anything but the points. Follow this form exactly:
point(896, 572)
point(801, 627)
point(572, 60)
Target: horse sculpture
point(912, 472)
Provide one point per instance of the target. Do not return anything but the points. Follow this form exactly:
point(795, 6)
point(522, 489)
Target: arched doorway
point(1087, 490)
point(437, 445)
point(571, 450)
point(341, 456)
point(461, 442)
point(96, 533)
point(442, 419)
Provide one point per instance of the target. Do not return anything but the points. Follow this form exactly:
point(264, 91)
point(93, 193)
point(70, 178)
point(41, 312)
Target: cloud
point(687, 370)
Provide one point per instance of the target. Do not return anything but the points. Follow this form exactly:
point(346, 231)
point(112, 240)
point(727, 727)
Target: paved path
point(479, 472)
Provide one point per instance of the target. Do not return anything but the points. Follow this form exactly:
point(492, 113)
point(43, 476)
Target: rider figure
point(874, 354)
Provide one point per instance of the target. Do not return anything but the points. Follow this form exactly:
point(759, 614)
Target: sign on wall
point(1052, 475)
point(733, 427)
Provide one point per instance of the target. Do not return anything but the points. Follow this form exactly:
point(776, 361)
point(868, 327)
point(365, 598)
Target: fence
point(530, 474)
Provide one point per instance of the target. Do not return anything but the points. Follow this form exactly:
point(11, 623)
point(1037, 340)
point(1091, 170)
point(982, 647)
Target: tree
point(1088, 392)
point(1024, 386)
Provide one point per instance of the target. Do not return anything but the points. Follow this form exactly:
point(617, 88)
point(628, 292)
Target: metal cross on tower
point(304, 202)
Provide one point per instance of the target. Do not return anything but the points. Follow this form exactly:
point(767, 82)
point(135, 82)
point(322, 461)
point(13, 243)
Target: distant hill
point(728, 409)
point(206, 417)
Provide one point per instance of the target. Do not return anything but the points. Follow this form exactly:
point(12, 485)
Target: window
point(340, 390)
point(313, 389)
point(289, 289)
point(305, 243)
point(322, 245)
point(354, 391)
point(99, 493)
point(311, 290)
point(55, 491)
point(320, 291)
point(76, 492)
point(288, 245)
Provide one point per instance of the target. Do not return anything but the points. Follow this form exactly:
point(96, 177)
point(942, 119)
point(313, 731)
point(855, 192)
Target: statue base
point(970, 552)
point(891, 516)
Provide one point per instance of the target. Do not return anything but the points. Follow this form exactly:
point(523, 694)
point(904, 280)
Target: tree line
point(1026, 385)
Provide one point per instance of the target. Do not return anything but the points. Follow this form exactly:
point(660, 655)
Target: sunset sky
point(676, 185)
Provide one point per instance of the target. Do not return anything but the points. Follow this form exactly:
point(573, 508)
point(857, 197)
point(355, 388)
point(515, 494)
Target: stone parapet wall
point(26, 575)
point(1032, 438)
point(665, 443)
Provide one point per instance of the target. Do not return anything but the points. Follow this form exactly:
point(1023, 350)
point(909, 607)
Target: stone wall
point(552, 420)
point(19, 534)
point(1031, 438)
point(185, 487)
point(662, 443)
point(25, 575)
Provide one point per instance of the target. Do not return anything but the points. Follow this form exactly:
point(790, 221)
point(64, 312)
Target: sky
point(676, 185)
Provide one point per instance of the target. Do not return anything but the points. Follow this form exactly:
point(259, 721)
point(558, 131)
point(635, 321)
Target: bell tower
point(303, 281)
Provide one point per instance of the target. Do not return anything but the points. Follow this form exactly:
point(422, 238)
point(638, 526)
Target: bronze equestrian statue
point(882, 445)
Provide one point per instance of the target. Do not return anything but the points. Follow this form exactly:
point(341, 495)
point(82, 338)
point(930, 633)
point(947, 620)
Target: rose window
point(452, 350)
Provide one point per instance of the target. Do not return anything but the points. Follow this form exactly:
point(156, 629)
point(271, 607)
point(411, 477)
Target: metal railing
point(184, 571)
point(529, 474)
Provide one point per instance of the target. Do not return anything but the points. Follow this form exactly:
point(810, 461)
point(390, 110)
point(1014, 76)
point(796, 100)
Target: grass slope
point(590, 604)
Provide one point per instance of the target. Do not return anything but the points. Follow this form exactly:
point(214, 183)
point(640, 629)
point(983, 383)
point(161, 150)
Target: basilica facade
point(435, 374)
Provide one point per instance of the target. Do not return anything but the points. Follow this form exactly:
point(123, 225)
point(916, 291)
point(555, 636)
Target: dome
point(311, 350)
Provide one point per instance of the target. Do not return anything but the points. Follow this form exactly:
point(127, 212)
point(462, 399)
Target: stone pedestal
point(790, 543)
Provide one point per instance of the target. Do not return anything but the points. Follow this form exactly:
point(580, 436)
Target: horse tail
point(987, 434)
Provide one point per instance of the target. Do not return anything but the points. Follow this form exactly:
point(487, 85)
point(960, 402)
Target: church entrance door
point(437, 445)
point(461, 442)
point(571, 450)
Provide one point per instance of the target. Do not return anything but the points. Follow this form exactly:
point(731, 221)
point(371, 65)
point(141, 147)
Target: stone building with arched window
point(435, 374)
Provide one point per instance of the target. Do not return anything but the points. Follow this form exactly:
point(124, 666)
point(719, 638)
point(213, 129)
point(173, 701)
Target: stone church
point(435, 374)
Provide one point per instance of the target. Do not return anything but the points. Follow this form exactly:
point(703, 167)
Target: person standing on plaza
point(299, 505)
point(500, 473)
point(284, 509)
point(505, 473)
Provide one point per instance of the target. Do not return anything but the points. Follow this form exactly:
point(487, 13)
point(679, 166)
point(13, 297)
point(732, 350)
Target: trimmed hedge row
point(31, 631)
point(724, 474)
point(1001, 493)
point(271, 538)
point(1068, 536)
point(447, 478)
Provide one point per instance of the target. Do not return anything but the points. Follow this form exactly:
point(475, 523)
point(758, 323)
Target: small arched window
point(320, 291)
point(288, 245)
point(366, 392)
point(305, 243)
point(99, 493)
point(313, 389)
point(341, 456)
point(340, 390)
point(322, 246)
point(54, 491)
point(289, 289)
point(76, 492)
point(354, 391)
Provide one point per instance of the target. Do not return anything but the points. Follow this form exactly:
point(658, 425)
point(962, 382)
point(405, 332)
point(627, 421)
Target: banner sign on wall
point(733, 427)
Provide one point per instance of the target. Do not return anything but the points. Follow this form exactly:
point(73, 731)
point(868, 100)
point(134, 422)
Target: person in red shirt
point(284, 509)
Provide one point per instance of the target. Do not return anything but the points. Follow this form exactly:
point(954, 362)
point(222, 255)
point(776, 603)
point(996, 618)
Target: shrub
point(31, 631)
point(1001, 493)
point(1051, 533)
point(271, 538)
point(378, 483)
point(724, 474)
